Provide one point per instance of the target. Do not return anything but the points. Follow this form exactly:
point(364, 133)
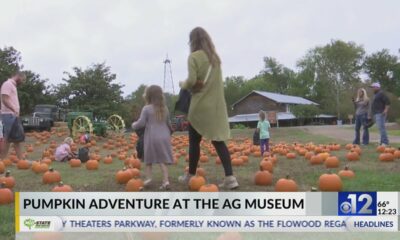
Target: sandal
point(147, 182)
point(165, 186)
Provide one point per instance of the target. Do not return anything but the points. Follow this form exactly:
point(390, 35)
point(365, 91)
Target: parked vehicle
point(42, 118)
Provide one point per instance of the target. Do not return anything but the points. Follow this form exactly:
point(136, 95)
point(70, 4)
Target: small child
point(263, 127)
point(157, 135)
point(85, 138)
point(63, 152)
point(83, 152)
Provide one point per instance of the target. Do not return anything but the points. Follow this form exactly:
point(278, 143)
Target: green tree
point(233, 90)
point(304, 112)
point(34, 90)
point(384, 67)
point(334, 68)
point(91, 89)
point(10, 63)
point(134, 103)
point(278, 78)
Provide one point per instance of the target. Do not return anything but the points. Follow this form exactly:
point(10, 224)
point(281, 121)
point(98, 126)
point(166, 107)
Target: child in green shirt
point(263, 128)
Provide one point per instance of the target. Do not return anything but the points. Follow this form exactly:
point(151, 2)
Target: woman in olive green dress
point(207, 115)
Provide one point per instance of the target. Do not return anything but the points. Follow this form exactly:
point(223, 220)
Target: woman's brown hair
point(200, 40)
point(155, 96)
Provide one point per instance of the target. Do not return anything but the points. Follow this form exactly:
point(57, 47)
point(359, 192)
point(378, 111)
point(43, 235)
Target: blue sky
point(133, 36)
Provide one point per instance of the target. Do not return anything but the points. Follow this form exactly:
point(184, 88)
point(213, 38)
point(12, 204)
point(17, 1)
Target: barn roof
point(280, 98)
point(253, 117)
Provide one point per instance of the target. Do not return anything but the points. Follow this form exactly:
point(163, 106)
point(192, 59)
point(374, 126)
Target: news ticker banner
point(206, 212)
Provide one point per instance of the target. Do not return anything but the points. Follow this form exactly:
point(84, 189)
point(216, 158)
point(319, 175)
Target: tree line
point(328, 75)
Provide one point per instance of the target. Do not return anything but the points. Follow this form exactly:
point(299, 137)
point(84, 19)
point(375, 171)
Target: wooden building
point(245, 110)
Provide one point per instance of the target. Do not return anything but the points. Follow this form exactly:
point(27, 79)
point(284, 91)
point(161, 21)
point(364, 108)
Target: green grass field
point(371, 175)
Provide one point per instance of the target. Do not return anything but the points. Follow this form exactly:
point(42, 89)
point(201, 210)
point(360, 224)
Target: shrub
point(239, 126)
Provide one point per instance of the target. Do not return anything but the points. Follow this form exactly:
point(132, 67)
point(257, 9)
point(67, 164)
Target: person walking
point(208, 116)
point(154, 118)
point(362, 106)
point(13, 131)
point(380, 108)
point(263, 127)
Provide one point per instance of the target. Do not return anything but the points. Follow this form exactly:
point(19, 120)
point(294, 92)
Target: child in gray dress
point(157, 135)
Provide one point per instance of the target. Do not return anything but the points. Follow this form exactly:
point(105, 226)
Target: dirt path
point(345, 133)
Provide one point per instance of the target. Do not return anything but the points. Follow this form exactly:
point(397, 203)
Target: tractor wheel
point(81, 124)
point(116, 123)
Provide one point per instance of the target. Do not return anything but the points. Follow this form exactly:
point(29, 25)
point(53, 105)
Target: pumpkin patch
point(287, 167)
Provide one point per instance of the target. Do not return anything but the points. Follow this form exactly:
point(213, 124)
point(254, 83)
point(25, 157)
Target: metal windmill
point(168, 80)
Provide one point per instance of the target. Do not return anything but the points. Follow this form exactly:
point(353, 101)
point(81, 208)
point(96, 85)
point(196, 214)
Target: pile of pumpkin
point(240, 150)
point(315, 155)
point(52, 176)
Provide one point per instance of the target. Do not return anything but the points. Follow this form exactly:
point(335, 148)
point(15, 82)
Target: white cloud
point(133, 37)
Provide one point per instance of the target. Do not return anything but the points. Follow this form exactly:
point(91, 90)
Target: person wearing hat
point(380, 107)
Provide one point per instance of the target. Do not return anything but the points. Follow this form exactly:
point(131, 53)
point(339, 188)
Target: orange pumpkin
point(133, 162)
point(92, 165)
point(396, 154)
point(286, 185)
point(267, 166)
point(196, 182)
point(6, 195)
point(332, 162)
point(39, 167)
point(203, 159)
point(316, 159)
point(13, 157)
point(352, 156)
point(123, 176)
point(2, 167)
point(135, 172)
point(61, 187)
point(309, 155)
point(134, 185)
point(51, 176)
point(108, 160)
point(324, 155)
point(245, 159)
point(46, 160)
point(209, 188)
point(7, 162)
point(257, 154)
point(237, 162)
point(380, 149)
point(291, 155)
point(200, 171)
point(263, 178)
point(346, 172)
point(75, 162)
point(386, 157)
point(8, 180)
point(330, 182)
point(349, 146)
point(23, 164)
point(29, 148)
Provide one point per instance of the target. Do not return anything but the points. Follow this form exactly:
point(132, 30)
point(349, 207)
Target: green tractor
point(83, 122)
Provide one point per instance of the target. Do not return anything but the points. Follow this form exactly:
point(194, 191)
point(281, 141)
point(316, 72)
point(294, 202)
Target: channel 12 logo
point(357, 204)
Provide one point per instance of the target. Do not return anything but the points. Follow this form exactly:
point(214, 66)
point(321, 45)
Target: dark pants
point(264, 145)
point(362, 121)
point(194, 152)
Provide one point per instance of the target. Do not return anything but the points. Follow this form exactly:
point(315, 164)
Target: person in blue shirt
point(263, 127)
